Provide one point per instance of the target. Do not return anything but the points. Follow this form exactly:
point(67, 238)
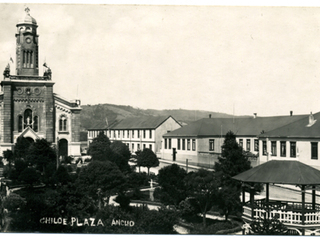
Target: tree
point(61, 175)
point(99, 149)
point(29, 176)
point(173, 189)
point(228, 201)
point(101, 180)
point(203, 187)
point(8, 155)
point(147, 158)
point(121, 149)
point(233, 161)
point(40, 154)
point(21, 148)
point(120, 155)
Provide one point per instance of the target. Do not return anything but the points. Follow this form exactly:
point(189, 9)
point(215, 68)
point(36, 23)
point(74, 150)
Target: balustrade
point(287, 212)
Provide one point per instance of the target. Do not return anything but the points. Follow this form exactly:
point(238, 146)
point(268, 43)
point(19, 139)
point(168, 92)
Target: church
point(28, 106)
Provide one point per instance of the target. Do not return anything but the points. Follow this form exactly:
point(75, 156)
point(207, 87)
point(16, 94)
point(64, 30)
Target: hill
point(97, 115)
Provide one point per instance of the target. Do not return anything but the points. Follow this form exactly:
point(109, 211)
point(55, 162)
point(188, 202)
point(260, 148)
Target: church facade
point(28, 106)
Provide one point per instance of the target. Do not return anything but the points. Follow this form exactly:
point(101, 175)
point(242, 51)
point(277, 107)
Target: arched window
point(20, 121)
point(35, 124)
point(27, 118)
point(63, 123)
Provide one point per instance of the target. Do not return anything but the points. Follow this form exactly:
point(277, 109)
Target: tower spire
point(27, 46)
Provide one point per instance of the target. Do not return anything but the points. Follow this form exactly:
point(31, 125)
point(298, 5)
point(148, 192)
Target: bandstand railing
point(287, 212)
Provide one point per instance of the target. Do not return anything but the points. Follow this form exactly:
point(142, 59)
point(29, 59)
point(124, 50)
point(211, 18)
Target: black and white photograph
point(159, 119)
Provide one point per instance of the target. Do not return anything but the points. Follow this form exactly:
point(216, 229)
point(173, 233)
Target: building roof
point(303, 128)
point(99, 126)
point(240, 126)
point(281, 172)
point(149, 122)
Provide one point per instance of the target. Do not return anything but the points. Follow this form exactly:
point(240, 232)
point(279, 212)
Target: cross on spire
point(27, 10)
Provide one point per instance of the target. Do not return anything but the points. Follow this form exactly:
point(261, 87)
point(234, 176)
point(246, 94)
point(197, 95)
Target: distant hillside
point(96, 115)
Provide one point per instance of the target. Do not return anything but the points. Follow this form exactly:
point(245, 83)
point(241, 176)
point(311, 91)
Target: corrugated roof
point(240, 126)
point(282, 172)
point(98, 126)
point(150, 122)
point(298, 129)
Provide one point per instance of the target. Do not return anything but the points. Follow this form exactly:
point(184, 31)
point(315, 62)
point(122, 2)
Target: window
point(193, 144)
point(27, 118)
point(144, 133)
point(138, 133)
point(20, 123)
point(283, 151)
point(169, 143)
point(293, 150)
point(274, 148)
point(35, 123)
point(211, 144)
point(165, 143)
point(138, 146)
point(150, 133)
point(27, 59)
point(144, 146)
point(183, 144)
point(150, 146)
point(128, 134)
point(264, 148)
point(314, 150)
point(123, 135)
point(132, 148)
point(256, 145)
point(188, 144)
point(63, 123)
point(132, 133)
point(179, 144)
point(248, 145)
point(241, 142)
point(119, 134)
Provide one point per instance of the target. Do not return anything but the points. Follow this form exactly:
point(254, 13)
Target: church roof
point(72, 104)
point(281, 172)
point(240, 126)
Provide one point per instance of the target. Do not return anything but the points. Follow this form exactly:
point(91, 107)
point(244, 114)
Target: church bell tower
point(27, 46)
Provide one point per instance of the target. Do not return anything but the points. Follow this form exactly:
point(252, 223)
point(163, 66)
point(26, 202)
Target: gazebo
point(299, 216)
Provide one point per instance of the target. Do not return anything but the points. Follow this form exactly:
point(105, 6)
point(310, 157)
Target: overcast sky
point(245, 60)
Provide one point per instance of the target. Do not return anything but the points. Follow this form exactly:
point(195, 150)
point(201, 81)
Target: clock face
point(28, 40)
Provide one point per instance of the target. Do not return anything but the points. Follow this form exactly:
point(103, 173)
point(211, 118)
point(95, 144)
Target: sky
point(231, 59)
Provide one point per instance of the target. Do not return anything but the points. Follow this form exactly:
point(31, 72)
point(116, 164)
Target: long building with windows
point(137, 132)
point(28, 106)
point(200, 142)
point(296, 141)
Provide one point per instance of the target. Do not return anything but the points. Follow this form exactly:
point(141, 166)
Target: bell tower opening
point(27, 46)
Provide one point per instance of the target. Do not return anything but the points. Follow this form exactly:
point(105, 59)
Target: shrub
point(13, 202)
point(214, 228)
point(123, 200)
point(137, 179)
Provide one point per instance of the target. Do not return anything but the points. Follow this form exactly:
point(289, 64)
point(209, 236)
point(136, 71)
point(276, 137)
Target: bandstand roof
point(282, 172)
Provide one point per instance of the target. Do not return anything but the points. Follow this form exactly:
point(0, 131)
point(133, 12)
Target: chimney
point(209, 115)
point(311, 118)
point(254, 115)
point(291, 113)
